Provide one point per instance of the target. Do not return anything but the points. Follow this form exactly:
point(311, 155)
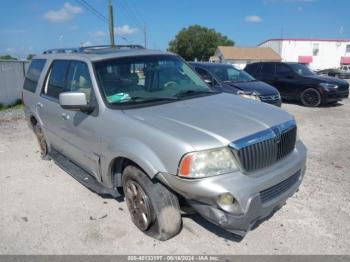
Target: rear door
point(266, 73)
point(48, 108)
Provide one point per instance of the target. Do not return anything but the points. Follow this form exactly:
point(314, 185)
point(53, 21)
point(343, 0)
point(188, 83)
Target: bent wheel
point(153, 208)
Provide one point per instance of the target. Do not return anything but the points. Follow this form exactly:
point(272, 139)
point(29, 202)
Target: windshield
point(231, 74)
point(143, 79)
point(301, 70)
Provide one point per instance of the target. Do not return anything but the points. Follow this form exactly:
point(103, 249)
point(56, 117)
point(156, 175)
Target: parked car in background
point(343, 72)
point(143, 122)
point(226, 78)
point(297, 82)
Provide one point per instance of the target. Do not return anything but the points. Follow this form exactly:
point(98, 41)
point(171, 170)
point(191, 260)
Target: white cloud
point(86, 43)
point(66, 13)
point(125, 30)
point(253, 19)
point(98, 33)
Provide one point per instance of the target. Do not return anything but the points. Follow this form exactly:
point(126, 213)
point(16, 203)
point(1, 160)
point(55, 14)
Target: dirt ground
point(43, 210)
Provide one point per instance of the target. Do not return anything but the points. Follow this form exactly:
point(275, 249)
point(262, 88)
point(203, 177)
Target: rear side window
point(252, 68)
point(33, 74)
point(267, 69)
point(56, 82)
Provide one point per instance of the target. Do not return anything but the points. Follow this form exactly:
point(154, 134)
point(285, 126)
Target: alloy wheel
point(311, 97)
point(138, 205)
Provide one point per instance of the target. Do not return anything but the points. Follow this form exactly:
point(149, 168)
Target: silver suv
point(142, 122)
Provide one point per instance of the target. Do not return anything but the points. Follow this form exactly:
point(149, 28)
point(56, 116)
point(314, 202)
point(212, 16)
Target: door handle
point(65, 116)
point(39, 105)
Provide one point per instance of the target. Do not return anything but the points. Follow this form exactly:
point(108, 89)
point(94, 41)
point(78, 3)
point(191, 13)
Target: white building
point(241, 56)
point(317, 53)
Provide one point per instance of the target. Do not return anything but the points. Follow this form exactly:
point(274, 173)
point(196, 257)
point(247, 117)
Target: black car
point(228, 79)
point(297, 82)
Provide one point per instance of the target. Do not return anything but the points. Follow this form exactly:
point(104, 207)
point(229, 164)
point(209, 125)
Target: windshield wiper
point(193, 92)
point(145, 99)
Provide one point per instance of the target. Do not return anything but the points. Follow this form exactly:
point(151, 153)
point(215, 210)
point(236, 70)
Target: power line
point(92, 10)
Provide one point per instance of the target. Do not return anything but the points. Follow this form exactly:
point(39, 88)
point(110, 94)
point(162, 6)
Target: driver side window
point(78, 79)
point(205, 75)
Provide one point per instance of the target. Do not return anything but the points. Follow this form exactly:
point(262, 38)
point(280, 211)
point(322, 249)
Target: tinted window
point(33, 74)
point(78, 79)
point(301, 70)
point(203, 73)
point(252, 68)
point(268, 69)
point(230, 74)
point(56, 79)
point(283, 70)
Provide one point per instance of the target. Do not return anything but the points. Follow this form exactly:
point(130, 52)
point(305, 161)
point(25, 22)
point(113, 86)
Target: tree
point(30, 56)
point(7, 57)
point(198, 42)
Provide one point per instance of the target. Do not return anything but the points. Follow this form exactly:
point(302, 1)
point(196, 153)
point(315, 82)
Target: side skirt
point(81, 175)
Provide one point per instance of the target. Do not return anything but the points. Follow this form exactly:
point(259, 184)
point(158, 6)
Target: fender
point(134, 150)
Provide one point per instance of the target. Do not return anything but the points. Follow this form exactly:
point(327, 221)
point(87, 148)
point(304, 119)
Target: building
point(317, 53)
point(241, 56)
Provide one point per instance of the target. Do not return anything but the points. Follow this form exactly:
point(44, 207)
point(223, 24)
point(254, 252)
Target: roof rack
point(92, 49)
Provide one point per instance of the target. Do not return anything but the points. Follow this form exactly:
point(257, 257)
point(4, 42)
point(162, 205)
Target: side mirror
point(208, 81)
point(75, 101)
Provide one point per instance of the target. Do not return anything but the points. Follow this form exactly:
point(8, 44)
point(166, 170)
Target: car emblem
point(278, 135)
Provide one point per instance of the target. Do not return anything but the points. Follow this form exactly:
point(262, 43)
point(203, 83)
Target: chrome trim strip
point(262, 135)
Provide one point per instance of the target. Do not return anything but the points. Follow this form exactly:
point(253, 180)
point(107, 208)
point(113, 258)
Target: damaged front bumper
point(258, 194)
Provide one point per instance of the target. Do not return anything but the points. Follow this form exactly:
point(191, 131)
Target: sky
point(31, 26)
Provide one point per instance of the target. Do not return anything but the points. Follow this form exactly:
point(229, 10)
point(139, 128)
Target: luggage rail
point(92, 49)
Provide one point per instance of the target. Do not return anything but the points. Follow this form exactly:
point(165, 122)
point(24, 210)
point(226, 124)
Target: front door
point(285, 81)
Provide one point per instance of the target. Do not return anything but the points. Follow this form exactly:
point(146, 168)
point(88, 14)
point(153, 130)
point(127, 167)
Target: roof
point(249, 53)
point(307, 39)
point(102, 54)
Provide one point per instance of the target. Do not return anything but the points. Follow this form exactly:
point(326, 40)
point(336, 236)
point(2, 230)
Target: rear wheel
point(44, 150)
point(311, 97)
point(152, 207)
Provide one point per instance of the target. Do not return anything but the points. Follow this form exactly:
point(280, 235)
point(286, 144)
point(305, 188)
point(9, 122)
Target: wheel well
point(33, 121)
point(117, 167)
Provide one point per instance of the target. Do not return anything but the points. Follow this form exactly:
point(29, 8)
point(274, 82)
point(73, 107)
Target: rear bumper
point(258, 194)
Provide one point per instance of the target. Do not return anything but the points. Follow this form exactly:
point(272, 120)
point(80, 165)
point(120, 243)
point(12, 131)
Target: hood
point(257, 86)
point(210, 121)
point(327, 79)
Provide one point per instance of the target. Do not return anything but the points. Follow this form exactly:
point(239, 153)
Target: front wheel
point(152, 207)
point(311, 97)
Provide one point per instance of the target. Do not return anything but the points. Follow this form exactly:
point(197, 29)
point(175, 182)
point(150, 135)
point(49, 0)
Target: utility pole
point(110, 23)
point(145, 35)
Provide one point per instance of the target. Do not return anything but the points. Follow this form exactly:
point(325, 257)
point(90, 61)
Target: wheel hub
point(138, 205)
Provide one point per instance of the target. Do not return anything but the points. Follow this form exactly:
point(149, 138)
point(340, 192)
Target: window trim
point(40, 76)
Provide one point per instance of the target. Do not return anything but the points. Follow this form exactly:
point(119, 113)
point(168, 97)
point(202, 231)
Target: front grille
point(276, 190)
point(265, 153)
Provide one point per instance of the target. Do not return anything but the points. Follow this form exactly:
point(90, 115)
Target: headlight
point(328, 86)
point(250, 95)
point(207, 163)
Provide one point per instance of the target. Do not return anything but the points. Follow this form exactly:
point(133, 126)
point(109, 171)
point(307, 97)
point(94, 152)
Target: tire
point(152, 207)
point(44, 149)
point(311, 97)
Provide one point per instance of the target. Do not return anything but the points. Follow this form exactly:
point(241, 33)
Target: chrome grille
point(260, 153)
point(276, 190)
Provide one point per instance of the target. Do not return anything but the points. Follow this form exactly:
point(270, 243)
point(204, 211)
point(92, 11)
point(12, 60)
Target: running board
point(81, 175)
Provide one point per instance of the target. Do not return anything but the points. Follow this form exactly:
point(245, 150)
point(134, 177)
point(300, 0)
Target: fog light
point(226, 199)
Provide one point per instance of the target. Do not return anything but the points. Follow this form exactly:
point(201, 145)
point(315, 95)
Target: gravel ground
point(45, 211)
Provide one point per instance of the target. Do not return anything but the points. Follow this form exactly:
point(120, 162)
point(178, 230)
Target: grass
point(15, 105)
